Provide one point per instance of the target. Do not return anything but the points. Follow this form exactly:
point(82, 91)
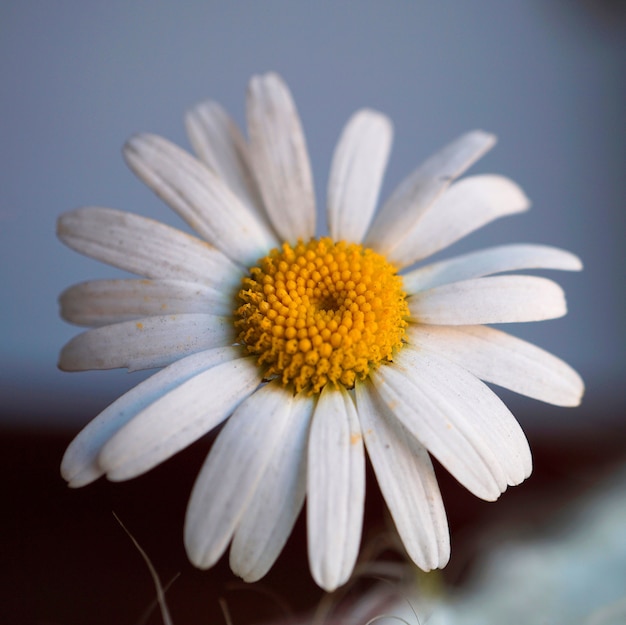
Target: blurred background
point(79, 78)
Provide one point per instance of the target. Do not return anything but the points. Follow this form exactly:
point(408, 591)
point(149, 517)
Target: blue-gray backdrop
point(78, 78)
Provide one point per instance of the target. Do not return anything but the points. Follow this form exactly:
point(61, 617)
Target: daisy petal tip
point(122, 475)
point(60, 222)
point(193, 113)
point(138, 147)
point(195, 552)
point(521, 472)
point(481, 141)
point(575, 396)
point(523, 201)
point(576, 263)
point(134, 143)
point(489, 492)
point(198, 116)
point(268, 77)
point(376, 117)
point(64, 225)
point(578, 399)
point(248, 571)
point(112, 466)
point(327, 582)
point(268, 80)
point(444, 556)
point(83, 479)
point(199, 554)
point(529, 472)
point(78, 476)
point(429, 567)
point(507, 192)
point(435, 558)
point(488, 138)
point(64, 362)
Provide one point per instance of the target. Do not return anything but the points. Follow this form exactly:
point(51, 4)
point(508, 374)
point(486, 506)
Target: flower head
point(313, 349)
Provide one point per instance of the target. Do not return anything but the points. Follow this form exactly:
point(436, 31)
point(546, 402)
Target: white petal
point(220, 145)
point(270, 515)
point(178, 419)
point(502, 359)
point(102, 302)
point(417, 192)
point(335, 487)
point(356, 174)
point(280, 159)
point(200, 197)
point(500, 299)
point(232, 472)
point(458, 419)
point(489, 261)
point(146, 343)
point(407, 480)
point(467, 205)
point(79, 465)
point(146, 247)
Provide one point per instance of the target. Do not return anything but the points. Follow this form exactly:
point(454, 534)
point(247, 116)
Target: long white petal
point(499, 299)
point(499, 358)
point(417, 192)
point(270, 515)
point(145, 247)
point(356, 174)
point(458, 419)
point(466, 206)
point(146, 343)
point(335, 487)
point(219, 144)
point(280, 159)
point(178, 419)
point(200, 197)
point(232, 471)
point(492, 260)
point(80, 466)
point(102, 302)
point(407, 480)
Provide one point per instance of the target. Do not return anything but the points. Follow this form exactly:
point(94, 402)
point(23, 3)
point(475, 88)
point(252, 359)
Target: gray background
point(78, 78)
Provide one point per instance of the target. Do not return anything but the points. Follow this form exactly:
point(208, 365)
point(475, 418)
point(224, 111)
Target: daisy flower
point(314, 350)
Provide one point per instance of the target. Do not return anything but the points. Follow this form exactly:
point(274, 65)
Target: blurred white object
point(575, 574)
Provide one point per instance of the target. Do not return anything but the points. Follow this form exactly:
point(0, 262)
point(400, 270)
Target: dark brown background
point(66, 560)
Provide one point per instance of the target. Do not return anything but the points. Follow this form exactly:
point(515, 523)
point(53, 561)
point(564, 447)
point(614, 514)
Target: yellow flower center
point(321, 312)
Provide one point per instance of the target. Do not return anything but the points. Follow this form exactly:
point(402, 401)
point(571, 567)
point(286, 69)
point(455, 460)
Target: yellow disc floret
point(321, 312)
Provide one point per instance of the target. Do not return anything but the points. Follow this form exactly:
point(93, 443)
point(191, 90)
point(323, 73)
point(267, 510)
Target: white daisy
point(314, 349)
